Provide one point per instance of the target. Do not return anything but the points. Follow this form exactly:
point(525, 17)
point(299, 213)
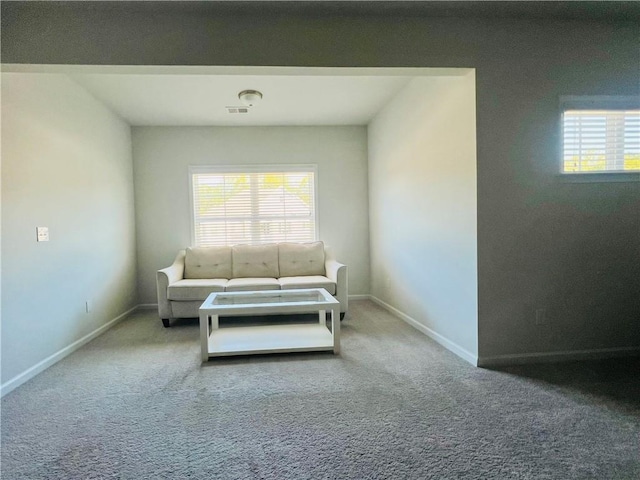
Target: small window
point(600, 135)
point(247, 205)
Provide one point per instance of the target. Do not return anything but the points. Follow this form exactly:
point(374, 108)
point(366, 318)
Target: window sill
point(599, 177)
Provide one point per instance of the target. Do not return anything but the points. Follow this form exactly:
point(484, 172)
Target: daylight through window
point(254, 207)
point(601, 141)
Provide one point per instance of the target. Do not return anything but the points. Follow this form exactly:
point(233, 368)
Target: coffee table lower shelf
point(269, 339)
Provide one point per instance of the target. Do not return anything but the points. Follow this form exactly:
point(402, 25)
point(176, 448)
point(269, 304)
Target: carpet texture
point(136, 403)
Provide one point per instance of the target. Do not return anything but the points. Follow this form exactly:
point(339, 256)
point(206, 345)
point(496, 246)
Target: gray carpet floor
point(136, 403)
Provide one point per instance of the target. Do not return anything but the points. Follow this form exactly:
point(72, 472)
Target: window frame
point(253, 169)
point(600, 102)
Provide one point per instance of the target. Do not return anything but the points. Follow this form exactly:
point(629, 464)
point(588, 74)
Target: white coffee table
point(293, 337)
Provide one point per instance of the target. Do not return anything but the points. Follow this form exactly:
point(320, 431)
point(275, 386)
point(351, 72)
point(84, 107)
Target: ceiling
point(187, 100)
point(199, 95)
point(591, 10)
point(598, 10)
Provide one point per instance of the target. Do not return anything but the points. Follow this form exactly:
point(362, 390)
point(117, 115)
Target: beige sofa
point(197, 272)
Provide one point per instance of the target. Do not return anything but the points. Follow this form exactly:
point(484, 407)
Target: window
point(600, 135)
point(248, 205)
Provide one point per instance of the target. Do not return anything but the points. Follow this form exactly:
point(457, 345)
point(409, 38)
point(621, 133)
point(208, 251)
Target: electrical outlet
point(541, 316)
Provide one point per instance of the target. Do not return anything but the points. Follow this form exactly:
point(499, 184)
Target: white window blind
point(601, 141)
point(233, 207)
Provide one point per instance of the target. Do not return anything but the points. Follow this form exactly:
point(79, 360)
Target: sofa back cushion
point(298, 259)
point(255, 261)
point(208, 262)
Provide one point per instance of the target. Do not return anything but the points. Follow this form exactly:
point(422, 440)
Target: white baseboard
point(445, 342)
point(364, 296)
point(28, 374)
point(558, 356)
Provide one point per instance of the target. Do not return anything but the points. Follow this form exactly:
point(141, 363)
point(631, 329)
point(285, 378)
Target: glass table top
point(268, 297)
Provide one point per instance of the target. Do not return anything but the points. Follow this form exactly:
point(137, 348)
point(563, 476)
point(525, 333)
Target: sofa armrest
point(337, 272)
point(166, 277)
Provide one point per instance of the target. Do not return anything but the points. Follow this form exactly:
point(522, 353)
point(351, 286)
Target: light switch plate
point(43, 234)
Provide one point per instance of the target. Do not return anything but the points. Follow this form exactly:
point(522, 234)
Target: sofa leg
point(342, 314)
point(165, 322)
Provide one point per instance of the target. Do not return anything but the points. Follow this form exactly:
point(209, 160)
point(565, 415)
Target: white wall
point(422, 197)
point(67, 165)
point(162, 156)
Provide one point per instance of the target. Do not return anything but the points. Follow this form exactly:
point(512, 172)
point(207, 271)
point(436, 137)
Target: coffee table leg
point(204, 336)
point(335, 329)
point(322, 316)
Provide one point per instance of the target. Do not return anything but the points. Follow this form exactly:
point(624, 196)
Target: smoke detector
point(250, 97)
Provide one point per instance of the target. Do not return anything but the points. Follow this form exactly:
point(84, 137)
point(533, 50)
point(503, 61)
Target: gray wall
point(162, 156)
point(542, 242)
point(423, 209)
point(67, 165)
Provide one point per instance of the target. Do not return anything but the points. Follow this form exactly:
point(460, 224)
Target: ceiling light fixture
point(250, 97)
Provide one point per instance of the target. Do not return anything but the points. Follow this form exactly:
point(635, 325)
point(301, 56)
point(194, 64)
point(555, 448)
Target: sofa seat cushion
point(295, 259)
point(255, 261)
point(207, 262)
point(245, 284)
point(308, 281)
point(195, 288)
